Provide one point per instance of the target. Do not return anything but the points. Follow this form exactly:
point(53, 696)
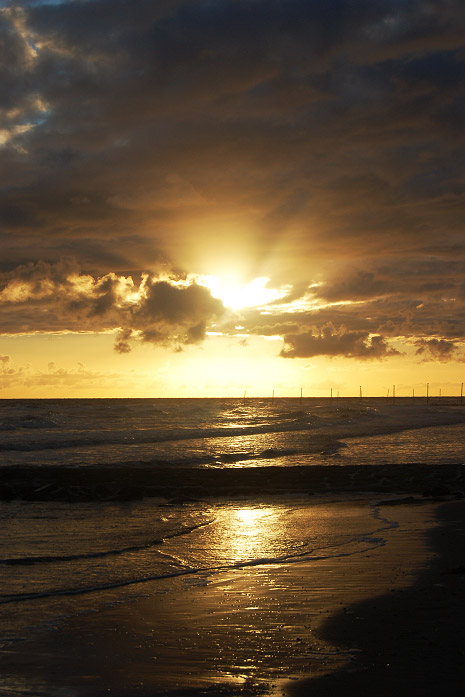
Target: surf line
point(48, 559)
point(372, 543)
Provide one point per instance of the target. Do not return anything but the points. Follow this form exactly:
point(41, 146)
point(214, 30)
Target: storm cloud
point(331, 342)
point(57, 297)
point(141, 142)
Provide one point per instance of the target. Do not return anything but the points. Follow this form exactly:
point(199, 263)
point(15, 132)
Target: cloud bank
point(321, 144)
point(45, 297)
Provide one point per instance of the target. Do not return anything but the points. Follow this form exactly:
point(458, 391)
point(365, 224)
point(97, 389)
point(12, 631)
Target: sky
point(202, 198)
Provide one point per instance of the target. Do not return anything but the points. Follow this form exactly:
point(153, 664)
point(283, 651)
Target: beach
point(181, 548)
point(372, 622)
point(411, 639)
point(232, 348)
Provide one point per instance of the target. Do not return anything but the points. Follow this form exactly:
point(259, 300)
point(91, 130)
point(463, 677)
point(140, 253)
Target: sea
point(59, 558)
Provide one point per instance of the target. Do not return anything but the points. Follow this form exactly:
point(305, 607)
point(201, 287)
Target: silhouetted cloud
point(321, 142)
point(331, 342)
point(435, 349)
point(51, 297)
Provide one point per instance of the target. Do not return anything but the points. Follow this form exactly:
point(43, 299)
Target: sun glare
point(237, 295)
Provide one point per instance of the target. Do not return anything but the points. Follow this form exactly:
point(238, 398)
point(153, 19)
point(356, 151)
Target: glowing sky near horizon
point(204, 197)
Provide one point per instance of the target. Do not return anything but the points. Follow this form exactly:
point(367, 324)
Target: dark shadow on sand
point(409, 641)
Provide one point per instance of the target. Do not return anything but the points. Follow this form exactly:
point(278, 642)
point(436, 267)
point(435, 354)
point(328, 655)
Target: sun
point(237, 295)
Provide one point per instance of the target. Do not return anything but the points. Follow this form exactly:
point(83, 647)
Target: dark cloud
point(38, 274)
point(405, 278)
point(396, 319)
point(277, 329)
point(331, 342)
point(165, 307)
point(435, 349)
point(322, 142)
point(361, 284)
point(46, 297)
point(123, 341)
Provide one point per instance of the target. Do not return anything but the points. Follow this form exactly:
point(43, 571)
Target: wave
point(50, 559)
point(28, 422)
point(40, 433)
point(72, 439)
point(363, 542)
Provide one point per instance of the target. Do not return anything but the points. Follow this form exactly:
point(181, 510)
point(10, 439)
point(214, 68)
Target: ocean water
point(229, 432)
point(59, 559)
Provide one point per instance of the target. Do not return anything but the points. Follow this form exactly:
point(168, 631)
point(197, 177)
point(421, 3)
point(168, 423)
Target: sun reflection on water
point(250, 533)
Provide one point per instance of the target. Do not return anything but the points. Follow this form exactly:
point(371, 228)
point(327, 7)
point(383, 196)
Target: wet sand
point(380, 622)
point(411, 640)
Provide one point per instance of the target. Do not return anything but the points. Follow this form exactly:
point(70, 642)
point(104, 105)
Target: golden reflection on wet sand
point(249, 533)
point(246, 627)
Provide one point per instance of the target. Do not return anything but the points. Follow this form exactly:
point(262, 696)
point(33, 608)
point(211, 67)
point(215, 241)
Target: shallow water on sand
point(264, 576)
point(58, 558)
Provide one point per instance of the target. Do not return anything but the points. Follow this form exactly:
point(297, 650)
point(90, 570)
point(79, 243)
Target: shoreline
point(264, 630)
point(410, 641)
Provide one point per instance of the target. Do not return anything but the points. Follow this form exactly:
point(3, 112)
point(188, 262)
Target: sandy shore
point(382, 622)
point(411, 640)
